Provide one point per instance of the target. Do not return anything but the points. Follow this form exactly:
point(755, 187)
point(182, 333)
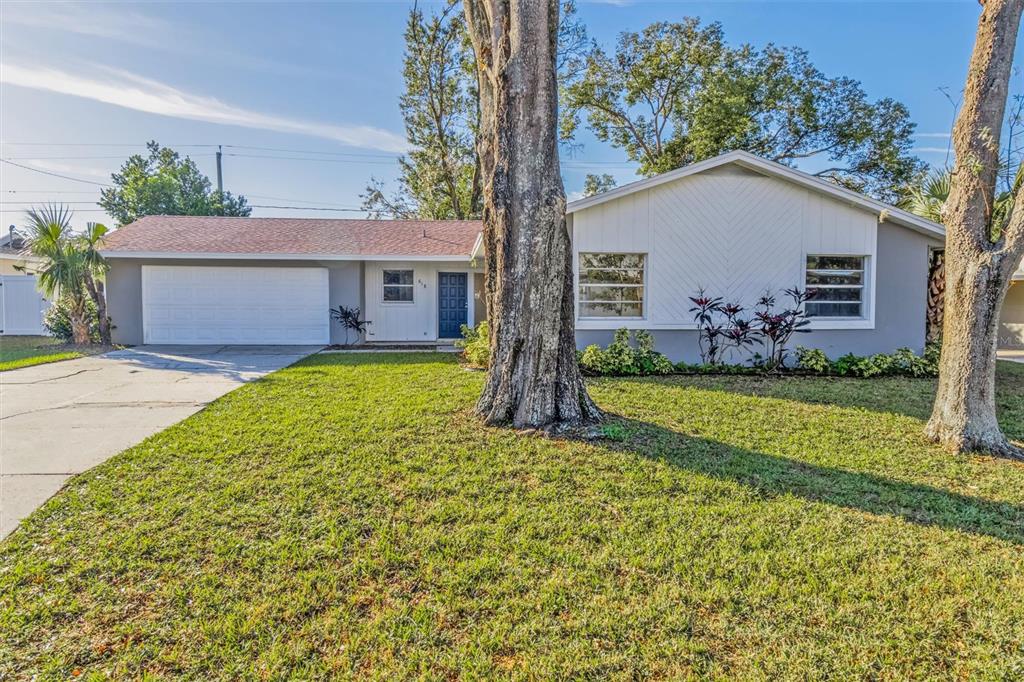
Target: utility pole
point(220, 176)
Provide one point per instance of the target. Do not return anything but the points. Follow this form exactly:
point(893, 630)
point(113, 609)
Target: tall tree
point(162, 183)
point(533, 380)
point(980, 256)
point(440, 177)
point(675, 93)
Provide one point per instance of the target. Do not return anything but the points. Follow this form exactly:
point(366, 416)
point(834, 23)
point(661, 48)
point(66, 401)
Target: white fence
point(21, 306)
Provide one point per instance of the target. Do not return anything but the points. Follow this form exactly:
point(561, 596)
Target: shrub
point(620, 358)
point(350, 320)
point(476, 344)
point(57, 322)
point(776, 328)
point(813, 360)
point(904, 362)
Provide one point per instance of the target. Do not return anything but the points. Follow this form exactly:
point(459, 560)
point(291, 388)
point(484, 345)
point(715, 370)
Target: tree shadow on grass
point(893, 395)
point(777, 476)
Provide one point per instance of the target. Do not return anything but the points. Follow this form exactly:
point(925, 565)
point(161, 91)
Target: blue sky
point(88, 84)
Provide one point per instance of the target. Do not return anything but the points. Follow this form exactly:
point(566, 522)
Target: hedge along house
point(736, 226)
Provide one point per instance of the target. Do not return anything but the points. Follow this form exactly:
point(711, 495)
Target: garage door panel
point(244, 305)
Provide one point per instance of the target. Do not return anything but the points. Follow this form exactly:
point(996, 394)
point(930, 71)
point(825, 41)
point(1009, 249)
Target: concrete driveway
point(60, 419)
point(1011, 355)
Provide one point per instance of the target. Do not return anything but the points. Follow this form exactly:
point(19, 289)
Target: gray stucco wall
point(1011, 318)
point(900, 300)
point(124, 289)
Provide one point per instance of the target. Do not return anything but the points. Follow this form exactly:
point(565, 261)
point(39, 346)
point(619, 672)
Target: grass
point(25, 351)
point(347, 517)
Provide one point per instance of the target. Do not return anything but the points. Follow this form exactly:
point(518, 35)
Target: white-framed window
point(611, 285)
point(835, 285)
point(398, 286)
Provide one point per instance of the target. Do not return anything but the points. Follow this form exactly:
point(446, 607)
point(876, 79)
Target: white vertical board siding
point(733, 232)
point(409, 322)
point(22, 306)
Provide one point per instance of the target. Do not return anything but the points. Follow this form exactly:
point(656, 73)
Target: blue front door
point(452, 305)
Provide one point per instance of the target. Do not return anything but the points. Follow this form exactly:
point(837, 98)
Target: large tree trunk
point(978, 267)
point(533, 380)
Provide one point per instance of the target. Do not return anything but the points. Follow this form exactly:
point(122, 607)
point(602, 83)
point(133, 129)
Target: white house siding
point(737, 233)
point(409, 322)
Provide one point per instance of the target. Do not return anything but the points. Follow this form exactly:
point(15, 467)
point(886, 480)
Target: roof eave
point(195, 255)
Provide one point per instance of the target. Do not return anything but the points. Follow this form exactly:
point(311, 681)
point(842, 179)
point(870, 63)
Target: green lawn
point(24, 351)
point(347, 517)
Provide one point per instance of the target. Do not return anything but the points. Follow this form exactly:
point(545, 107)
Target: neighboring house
point(1011, 319)
point(13, 257)
point(736, 225)
point(22, 306)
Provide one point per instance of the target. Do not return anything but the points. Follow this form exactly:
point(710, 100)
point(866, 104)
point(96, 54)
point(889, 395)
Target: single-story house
point(736, 226)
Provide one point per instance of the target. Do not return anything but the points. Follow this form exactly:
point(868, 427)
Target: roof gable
point(755, 163)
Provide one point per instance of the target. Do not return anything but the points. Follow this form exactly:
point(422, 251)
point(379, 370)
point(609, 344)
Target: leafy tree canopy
point(163, 183)
point(596, 184)
point(439, 179)
point(676, 93)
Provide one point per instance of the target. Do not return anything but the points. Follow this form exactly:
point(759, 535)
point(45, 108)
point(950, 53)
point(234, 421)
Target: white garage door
point(213, 305)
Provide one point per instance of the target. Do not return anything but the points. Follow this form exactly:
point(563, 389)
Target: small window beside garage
point(398, 286)
point(836, 286)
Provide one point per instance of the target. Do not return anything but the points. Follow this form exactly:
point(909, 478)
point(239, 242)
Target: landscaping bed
point(348, 517)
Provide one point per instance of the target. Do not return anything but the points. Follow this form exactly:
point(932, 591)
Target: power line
point(77, 210)
point(43, 158)
point(297, 201)
point(306, 158)
point(96, 144)
point(91, 203)
point(308, 208)
point(48, 191)
point(56, 175)
point(311, 151)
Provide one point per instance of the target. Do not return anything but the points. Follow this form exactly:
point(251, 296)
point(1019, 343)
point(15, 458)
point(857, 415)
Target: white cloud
point(94, 21)
point(930, 150)
point(121, 24)
point(943, 136)
point(131, 91)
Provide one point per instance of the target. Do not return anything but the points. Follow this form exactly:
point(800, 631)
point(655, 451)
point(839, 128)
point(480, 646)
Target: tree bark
point(978, 267)
point(79, 320)
point(98, 297)
point(533, 380)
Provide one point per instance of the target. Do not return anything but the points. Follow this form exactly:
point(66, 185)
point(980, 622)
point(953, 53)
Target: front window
point(612, 284)
point(398, 286)
point(835, 285)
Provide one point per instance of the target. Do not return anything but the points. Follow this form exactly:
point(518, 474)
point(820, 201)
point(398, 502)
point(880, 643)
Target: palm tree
point(929, 198)
point(71, 264)
point(96, 268)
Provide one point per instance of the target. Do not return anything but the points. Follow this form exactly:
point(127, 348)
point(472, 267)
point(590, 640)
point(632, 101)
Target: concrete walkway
point(1011, 355)
point(60, 419)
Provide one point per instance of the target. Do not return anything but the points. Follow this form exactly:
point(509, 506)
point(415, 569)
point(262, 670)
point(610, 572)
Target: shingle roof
point(293, 236)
